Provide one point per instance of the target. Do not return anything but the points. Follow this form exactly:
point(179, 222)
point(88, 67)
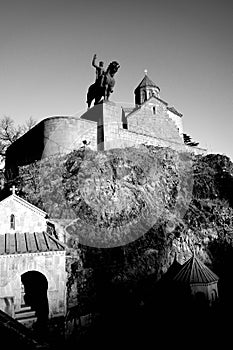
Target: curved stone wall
point(54, 135)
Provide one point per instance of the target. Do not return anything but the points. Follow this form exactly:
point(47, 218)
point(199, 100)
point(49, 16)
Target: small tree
point(188, 141)
point(9, 133)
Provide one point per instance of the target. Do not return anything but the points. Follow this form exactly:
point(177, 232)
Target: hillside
point(128, 212)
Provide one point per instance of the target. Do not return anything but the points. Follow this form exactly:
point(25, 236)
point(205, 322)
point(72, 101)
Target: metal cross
point(13, 189)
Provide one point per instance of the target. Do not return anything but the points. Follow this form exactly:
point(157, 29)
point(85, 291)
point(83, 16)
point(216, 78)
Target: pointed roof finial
point(145, 71)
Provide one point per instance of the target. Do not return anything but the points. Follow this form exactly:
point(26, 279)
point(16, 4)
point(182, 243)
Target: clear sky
point(186, 46)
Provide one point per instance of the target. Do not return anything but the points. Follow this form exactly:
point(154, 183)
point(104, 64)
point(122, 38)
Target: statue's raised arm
point(94, 60)
point(104, 81)
point(99, 71)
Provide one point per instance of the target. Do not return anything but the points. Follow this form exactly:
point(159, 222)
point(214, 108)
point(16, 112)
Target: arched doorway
point(35, 295)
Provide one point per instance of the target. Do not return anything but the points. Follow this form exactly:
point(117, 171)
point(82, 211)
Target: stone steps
point(25, 315)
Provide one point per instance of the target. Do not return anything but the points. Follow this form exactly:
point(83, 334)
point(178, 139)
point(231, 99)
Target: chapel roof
point(146, 81)
point(194, 271)
point(24, 203)
point(20, 243)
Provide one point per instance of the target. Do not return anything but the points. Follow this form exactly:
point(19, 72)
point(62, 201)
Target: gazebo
point(199, 280)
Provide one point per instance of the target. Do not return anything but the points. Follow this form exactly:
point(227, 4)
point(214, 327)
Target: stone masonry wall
point(61, 136)
point(102, 126)
point(156, 125)
point(117, 137)
point(177, 120)
point(122, 138)
point(55, 135)
point(50, 264)
point(26, 220)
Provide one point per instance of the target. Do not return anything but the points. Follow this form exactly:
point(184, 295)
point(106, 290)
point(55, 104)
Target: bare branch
point(9, 133)
point(29, 124)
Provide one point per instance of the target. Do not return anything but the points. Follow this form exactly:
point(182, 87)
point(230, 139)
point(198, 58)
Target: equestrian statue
point(104, 82)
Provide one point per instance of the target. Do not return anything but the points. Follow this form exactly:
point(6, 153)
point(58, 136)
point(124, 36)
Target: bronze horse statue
point(97, 91)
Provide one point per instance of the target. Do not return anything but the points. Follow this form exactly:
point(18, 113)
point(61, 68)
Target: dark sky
point(186, 46)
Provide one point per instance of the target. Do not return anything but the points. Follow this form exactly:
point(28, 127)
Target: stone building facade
point(105, 126)
point(29, 256)
point(18, 215)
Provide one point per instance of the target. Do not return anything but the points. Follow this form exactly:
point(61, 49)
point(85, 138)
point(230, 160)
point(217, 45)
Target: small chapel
point(32, 263)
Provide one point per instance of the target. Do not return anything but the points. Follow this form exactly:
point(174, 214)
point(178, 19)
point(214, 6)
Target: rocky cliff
point(127, 212)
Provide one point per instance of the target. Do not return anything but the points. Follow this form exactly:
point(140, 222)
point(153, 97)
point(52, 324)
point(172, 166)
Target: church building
point(31, 260)
point(105, 126)
point(18, 215)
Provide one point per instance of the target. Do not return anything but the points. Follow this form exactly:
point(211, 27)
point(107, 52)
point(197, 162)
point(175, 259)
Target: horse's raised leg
point(88, 101)
point(97, 99)
point(90, 95)
point(99, 96)
point(105, 93)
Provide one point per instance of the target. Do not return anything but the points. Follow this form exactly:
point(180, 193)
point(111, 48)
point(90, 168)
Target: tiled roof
point(24, 203)
point(37, 242)
point(128, 109)
point(195, 272)
point(146, 82)
point(173, 110)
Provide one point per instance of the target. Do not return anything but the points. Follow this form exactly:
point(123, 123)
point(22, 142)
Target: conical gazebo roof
point(195, 272)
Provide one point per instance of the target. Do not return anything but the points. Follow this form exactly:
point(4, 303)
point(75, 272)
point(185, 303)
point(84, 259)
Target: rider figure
point(99, 71)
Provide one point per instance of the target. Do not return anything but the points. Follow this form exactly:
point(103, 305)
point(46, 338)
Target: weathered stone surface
point(51, 265)
point(103, 127)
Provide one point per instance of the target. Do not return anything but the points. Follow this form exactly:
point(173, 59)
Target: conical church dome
point(145, 90)
point(146, 82)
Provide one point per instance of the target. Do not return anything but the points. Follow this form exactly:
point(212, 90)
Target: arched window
point(144, 95)
point(12, 222)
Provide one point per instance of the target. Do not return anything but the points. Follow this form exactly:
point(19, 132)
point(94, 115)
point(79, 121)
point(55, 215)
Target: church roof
point(195, 272)
point(173, 110)
point(146, 81)
point(23, 202)
point(20, 243)
point(128, 110)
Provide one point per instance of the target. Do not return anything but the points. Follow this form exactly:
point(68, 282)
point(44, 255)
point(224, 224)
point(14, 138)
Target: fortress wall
point(113, 118)
point(25, 150)
point(102, 126)
point(55, 135)
point(63, 136)
point(108, 117)
point(122, 138)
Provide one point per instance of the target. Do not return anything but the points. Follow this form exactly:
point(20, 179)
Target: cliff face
point(145, 205)
point(111, 198)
